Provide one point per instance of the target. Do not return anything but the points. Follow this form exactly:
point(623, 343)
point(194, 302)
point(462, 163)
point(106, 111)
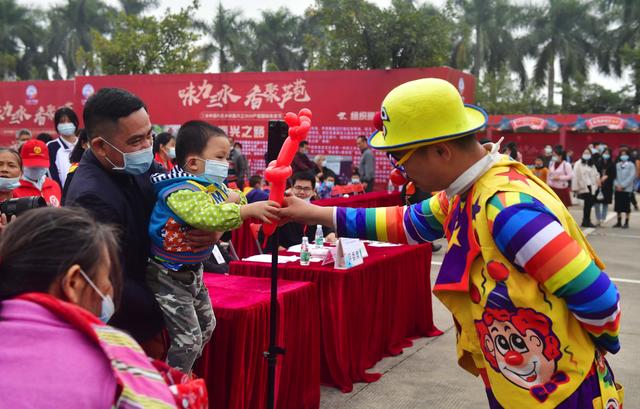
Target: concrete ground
point(427, 376)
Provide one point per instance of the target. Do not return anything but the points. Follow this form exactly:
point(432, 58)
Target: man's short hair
point(255, 180)
point(106, 107)
point(193, 137)
point(303, 176)
point(237, 144)
point(466, 141)
point(303, 144)
point(361, 138)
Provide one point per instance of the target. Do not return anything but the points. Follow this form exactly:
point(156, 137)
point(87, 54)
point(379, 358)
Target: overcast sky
point(252, 8)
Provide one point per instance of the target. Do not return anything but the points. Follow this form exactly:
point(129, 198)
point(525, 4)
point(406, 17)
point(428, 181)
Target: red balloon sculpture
point(279, 170)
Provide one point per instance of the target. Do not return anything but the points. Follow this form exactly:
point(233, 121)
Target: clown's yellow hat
point(423, 112)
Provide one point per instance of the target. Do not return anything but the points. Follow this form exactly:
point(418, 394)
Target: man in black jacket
point(112, 182)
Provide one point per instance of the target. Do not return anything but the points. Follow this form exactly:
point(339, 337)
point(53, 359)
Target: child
point(540, 170)
point(192, 196)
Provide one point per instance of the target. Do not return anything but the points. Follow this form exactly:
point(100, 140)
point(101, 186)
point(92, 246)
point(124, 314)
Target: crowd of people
point(601, 176)
point(167, 199)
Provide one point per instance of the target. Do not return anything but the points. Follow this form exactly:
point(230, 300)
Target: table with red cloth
point(233, 364)
point(366, 312)
point(245, 243)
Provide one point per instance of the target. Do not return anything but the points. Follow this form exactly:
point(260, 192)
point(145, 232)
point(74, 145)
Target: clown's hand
point(298, 210)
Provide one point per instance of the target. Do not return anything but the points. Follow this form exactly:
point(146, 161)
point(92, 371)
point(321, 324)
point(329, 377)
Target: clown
point(520, 344)
point(533, 308)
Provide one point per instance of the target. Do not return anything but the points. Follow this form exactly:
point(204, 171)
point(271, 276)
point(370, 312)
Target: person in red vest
point(35, 182)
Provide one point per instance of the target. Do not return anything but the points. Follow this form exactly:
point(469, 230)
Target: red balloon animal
point(279, 170)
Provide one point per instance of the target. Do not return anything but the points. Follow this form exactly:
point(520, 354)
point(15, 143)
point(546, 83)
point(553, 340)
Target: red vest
point(50, 191)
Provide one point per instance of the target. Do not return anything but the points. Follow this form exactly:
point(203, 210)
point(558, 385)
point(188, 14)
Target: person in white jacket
point(585, 183)
point(623, 185)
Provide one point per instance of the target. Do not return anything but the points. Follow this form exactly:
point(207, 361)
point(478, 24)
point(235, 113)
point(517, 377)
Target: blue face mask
point(34, 174)
point(9, 184)
point(606, 156)
point(172, 153)
point(329, 184)
point(586, 157)
point(66, 129)
point(134, 163)
point(624, 158)
point(108, 308)
point(215, 171)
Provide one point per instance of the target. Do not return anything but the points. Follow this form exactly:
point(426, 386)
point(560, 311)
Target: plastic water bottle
point(305, 254)
point(390, 187)
point(319, 237)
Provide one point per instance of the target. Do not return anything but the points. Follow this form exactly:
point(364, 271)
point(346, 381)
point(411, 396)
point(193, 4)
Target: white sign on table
point(348, 253)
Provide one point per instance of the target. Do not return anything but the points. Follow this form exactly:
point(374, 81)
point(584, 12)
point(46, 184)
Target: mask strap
point(86, 277)
point(124, 159)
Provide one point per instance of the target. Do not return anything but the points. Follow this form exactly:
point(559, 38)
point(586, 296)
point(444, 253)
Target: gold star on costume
point(454, 239)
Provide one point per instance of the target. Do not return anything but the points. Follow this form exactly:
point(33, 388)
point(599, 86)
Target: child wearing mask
point(34, 181)
point(539, 169)
point(325, 187)
point(192, 196)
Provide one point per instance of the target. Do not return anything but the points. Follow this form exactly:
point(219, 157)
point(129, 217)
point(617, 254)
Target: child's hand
point(234, 197)
point(267, 211)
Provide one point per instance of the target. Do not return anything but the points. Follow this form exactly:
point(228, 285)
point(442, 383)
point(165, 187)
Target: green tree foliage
point(142, 45)
point(356, 34)
point(564, 31)
point(499, 94)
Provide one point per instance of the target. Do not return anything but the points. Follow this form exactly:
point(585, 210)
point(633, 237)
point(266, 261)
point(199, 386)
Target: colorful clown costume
point(531, 303)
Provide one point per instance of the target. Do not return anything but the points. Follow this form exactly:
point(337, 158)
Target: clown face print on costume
point(519, 343)
point(519, 356)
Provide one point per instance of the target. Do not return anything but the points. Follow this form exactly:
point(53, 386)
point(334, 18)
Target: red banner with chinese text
point(343, 103)
point(31, 105)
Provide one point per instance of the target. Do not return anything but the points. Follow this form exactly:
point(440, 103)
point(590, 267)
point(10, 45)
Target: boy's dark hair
point(303, 176)
point(69, 113)
point(14, 153)
point(42, 244)
point(104, 108)
point(303, 144)
point(78, 149)
point(193, 137)
point(540, 157)
point(44, 137)
point(361, 138)
point(254, 180)
point(161, 139)
point(237, 144)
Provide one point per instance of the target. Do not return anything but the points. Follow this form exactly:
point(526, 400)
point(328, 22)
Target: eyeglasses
point(300, 189)
point(399, 163)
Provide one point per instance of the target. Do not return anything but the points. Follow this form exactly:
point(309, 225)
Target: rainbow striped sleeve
point(413, 224)
point(531, 238)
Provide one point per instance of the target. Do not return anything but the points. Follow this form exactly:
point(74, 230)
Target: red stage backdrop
point(31, 105)
point(343, 103)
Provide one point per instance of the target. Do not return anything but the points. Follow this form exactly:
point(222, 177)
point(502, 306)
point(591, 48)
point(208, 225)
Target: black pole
point(274, 350)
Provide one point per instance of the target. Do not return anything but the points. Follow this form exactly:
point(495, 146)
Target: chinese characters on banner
point(242, 104)
point(31, 105)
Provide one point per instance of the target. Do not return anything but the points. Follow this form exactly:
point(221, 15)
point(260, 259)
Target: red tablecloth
point(366, 312)
point(372, 199)
point(233, 364)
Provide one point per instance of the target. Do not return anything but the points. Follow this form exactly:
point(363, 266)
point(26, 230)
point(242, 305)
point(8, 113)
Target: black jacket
point(125, 201)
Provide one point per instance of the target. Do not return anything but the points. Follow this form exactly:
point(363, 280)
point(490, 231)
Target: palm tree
point(564, 30)
point(278, 41)
point(14, 23)
point(226, 32)
point(136, 7)
point(70, 28)
point(620, 46)
point(493, 23)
